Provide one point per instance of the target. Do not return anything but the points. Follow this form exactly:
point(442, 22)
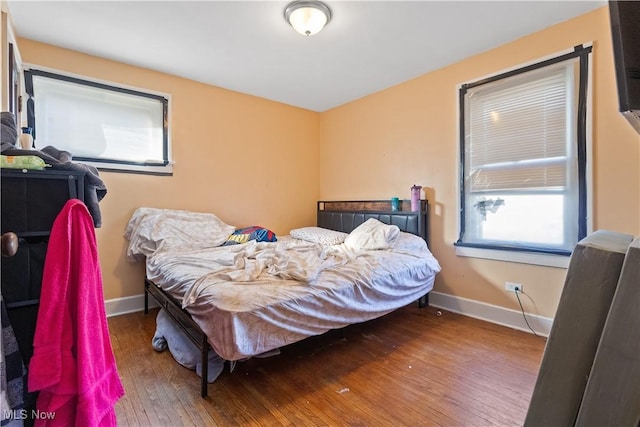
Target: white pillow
point(372, 235)
point(150, 230)
point(408, 242)
point(320, 235)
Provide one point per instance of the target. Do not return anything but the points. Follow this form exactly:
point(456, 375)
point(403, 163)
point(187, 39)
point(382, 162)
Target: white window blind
point(517, 133)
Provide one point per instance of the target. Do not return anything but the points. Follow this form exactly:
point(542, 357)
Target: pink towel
point(73, 365)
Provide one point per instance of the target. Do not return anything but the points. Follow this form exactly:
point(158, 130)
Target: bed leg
point(146, 300)
point(205, 367)
point(423, 301)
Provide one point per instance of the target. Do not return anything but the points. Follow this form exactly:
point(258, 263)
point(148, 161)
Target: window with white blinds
point(108, 126)
point(523, 157)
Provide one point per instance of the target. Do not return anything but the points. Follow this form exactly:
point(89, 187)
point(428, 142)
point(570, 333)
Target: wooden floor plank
point(411, 367)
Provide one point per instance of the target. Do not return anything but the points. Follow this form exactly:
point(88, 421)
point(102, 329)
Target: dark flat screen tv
point(625, 32)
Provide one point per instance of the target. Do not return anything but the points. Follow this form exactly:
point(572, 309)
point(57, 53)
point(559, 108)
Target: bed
point(361, 261)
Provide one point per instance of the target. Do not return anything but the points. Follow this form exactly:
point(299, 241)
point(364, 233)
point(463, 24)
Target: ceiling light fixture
point(307, 17)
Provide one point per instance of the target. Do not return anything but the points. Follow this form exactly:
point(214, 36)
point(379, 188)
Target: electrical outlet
point(513, 287)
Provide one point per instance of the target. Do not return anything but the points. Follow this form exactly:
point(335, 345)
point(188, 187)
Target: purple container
point(415, 197)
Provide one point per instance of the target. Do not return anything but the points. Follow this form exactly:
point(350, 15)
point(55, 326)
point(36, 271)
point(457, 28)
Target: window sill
point(128, 168)
point(547, 260)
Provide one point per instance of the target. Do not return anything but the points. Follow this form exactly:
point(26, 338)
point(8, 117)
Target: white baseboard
point(476, 309)
point(118, 306)
point(491, 313)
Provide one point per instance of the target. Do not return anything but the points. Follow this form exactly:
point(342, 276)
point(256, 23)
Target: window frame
point(163, 167)
point(523, 253)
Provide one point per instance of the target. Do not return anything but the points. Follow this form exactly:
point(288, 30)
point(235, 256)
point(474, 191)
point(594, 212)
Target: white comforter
point(249, 263)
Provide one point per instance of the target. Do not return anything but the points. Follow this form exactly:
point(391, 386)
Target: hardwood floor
point(410, 368)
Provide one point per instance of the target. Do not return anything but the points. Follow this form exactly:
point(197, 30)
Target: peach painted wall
point(248, 160)
point(380, 145)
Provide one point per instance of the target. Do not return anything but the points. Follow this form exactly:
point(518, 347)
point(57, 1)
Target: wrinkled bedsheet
point(258, 296)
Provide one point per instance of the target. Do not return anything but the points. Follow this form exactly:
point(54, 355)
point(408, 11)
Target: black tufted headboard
point(346, 215)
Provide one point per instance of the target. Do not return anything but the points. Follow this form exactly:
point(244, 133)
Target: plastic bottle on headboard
point(395, 204)
point(415, 197)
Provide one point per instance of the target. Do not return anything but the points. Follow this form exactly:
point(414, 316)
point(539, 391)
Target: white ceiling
point(247, 46)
